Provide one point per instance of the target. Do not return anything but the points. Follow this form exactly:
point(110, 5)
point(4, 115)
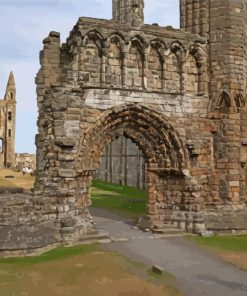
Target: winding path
point(198, 272)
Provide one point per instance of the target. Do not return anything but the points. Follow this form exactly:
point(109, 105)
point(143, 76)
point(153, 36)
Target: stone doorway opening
point(161, 146)
point(122, 163)
point(119, 185)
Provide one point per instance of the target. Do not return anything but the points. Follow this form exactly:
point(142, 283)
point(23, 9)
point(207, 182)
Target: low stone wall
point(27, 230)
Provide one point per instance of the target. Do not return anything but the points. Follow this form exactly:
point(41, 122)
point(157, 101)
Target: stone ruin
point(8, 124)
point(179, 95)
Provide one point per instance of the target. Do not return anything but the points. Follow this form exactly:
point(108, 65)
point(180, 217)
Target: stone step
point(167, 226)
point(101, 235)
point(163, 236)
point(168, 230)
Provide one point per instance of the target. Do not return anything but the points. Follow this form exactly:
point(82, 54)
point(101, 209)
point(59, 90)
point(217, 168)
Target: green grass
point(131, 192)
point(125, 200)
point(53, 255)
point(236, 243)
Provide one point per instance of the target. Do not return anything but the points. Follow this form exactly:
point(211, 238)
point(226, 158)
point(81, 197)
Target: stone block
point(157, 269)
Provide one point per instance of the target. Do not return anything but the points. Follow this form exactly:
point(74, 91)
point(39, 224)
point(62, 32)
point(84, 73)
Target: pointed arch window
point(9, 115)
point(224, 100)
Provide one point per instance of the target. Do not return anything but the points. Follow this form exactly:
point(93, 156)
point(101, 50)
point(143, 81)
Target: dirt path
point(198, 272)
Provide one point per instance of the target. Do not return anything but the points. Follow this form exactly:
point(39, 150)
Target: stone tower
point(10, 93)
point(7, 123)
point(128, 12)
point(224, 26)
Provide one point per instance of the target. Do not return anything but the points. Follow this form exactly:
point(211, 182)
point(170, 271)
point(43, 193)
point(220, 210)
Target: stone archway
point(152, 132)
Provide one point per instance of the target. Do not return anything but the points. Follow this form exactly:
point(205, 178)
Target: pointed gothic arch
point(155, 65)
point(93, 36)
point(200, 57)
point(239, 100)
point(150, 130)
point(135, 62)
point(114, 60)
point(224, 100)
point(162, 147)
point(191, 74)
point(90, 58)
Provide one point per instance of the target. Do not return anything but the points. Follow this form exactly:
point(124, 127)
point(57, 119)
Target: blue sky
point(23, 26)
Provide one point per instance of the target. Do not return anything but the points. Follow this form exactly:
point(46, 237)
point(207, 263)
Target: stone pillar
point(129, 12)
point(103, 66)
point(47, 76)
point(50, 60)
point(243, 156)
point(228, 157)
point(144, 71)
point(155, 196)
point(194, 16)
point(124, 70)
point(226, 44)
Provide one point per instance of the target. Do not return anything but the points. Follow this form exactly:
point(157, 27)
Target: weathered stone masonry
point(7, 124)
point(179, 95)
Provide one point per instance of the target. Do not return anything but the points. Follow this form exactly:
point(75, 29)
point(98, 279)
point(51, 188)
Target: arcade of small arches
point(119, 61)
point(225, 100)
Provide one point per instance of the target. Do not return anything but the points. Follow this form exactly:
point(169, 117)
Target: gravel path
point(198, 272)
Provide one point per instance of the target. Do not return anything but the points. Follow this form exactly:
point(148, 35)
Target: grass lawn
point(232, 248)
point(18, 180)
point(87, 269)
point(124, 200)
point(82, 270)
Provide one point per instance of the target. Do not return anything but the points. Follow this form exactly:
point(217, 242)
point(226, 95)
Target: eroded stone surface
point(8, 124)
point(180, 100)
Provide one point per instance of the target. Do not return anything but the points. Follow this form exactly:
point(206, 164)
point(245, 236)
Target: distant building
point(7, 124)
point(24, 160)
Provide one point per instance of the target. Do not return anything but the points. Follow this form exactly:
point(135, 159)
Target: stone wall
point(128, 11)
point(149, 84)
point(137, 76)
point(179, 95)
point(223, 23)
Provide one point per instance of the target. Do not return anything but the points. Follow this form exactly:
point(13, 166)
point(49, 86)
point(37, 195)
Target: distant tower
point(129, 12)
point(10, 93)
point(8, 122)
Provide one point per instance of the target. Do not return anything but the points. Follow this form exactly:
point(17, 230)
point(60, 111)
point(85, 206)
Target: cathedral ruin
point(7, 124)
point(177, 94)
